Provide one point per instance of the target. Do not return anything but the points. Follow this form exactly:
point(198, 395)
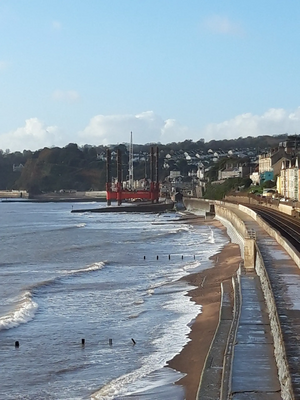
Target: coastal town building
point(234, 169)
point(270, 164)
point(288, 181)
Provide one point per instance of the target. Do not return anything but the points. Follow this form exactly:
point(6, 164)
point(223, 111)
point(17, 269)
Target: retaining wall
point(10, 194)
point(197, 204)
point(237, 231)
point(273, 233)
point(279, 348)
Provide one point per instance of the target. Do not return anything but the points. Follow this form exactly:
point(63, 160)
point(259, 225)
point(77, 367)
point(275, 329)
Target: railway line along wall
point(238, 233)
point(273, 233)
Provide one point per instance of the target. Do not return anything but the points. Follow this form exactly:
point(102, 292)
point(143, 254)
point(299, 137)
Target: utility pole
point(130, 170)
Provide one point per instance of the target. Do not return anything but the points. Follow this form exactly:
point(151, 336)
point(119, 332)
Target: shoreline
point(207, 293)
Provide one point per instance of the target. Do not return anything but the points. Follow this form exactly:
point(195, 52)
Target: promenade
point(254, 369)
point(255, 372)
point(284, 276)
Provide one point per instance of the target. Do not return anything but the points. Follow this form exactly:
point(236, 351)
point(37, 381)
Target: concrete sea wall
point(13, 194)
point(279, 348)
point(238, 233)
point(273, 233)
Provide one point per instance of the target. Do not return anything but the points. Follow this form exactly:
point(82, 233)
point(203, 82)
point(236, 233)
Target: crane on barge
point(119, 193)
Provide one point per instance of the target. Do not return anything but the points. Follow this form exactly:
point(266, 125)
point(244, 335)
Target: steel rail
point(286, 226)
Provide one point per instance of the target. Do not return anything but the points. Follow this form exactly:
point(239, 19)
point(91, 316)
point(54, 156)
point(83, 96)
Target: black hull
point(137, 208)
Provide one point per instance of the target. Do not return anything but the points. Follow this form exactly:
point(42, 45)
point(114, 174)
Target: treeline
point(69, 168)
point(84, 168)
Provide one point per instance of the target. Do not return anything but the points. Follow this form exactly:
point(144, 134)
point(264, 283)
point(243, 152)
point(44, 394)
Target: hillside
point(74, 168)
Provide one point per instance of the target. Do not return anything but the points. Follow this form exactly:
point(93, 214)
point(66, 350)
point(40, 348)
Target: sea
point(95, 300)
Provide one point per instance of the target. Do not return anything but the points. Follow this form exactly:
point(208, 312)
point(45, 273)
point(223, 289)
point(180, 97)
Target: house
point(234, 169)
point(288, 183)
point(18, 168)
point(270, 164)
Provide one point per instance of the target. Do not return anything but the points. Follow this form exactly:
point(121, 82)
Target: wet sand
point(207, 293)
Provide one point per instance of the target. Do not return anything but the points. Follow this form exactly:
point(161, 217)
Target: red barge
point(149, 198)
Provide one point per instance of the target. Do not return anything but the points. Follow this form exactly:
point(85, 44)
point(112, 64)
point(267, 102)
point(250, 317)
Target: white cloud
point(147, 127)
point(70, 96)
point(222, 25)
point(33, 136)
point(273, 121)
point(56, 25)
point(173, 131)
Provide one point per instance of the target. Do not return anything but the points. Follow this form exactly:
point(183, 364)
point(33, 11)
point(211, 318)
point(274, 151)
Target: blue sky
point(92, 71)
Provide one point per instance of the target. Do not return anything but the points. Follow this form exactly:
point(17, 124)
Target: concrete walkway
point(211, 379)
point(254, 370)
point(284, 276)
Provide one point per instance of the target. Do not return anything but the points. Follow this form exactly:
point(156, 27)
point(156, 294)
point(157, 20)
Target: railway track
point(288, 226)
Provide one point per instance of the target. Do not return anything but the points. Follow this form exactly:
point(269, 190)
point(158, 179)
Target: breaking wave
point(191, 265)
point(81, 225)
point(92, 267)
point(211, 238)
point(167, 345)
point(24, 312)
point(26, 307)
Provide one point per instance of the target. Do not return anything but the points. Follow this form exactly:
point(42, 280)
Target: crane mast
point(130, 169)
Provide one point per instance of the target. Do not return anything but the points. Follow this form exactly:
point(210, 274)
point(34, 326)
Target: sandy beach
point(207, 293)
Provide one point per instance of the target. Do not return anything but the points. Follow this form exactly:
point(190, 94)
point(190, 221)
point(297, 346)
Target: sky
point(92, 71)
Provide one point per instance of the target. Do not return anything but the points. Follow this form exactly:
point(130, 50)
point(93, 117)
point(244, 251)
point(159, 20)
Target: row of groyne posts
point(169, 257)
point(83, 342)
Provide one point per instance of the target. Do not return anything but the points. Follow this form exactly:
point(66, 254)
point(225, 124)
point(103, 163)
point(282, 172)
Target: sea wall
point(237, 231)
point(202, 205)
point(292, 252)
point(13, 194)
point(96, 193)
point(279, 348)
point(236, 228)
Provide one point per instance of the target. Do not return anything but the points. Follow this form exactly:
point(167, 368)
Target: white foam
point(92, 267)
point(24, 312)
point(211, 238)
point(174, 229)
point(138, 302)
point(82, 225)
point(133, 316)
point(158, 284)
point(191, 265)
point(167, 346)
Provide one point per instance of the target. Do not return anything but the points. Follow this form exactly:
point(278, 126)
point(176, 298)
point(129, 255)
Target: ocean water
point(104, 278)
